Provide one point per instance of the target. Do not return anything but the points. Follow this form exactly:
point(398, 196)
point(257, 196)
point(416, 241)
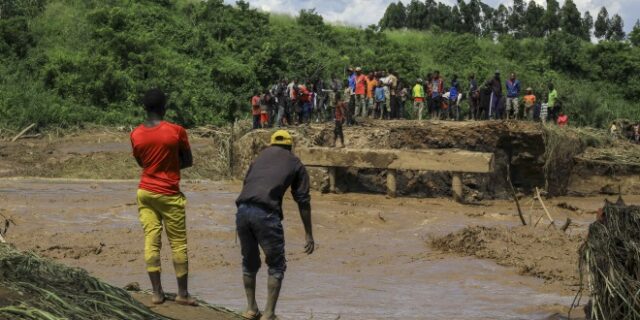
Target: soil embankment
point(571, 161)
point(559, 160)
point(542, 252)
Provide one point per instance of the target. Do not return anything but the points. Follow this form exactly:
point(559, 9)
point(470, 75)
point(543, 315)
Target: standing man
point(255, 110)
point(418, 98)
point(437, 90)
point(341, 108)
point(474, 98)
point(259, 217)
point(551, 102)
point(529, 104)
point(372, 82)
point(393, 87)
point(380, 99)
point(361, 88)
point(352, 96)
point(162, 150)
point(496, 96)
point(513, 92)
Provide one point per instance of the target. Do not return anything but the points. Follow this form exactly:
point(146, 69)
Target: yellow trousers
point(158, 209)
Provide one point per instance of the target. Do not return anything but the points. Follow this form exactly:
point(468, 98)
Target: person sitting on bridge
point(162, 150)
point(259, 218)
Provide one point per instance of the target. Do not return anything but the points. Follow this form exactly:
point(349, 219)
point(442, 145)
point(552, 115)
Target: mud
point(543, 252)
point(570, 168)
point(372, 261)
point(99, 154)
point(221, 154)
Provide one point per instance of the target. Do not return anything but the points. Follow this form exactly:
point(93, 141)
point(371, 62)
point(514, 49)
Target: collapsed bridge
point(392, 160)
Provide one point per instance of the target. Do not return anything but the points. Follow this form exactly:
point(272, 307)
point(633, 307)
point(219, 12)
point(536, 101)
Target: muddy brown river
point(372, 260)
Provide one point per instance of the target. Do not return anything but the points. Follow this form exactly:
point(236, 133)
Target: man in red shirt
point(361, 90)
point(255, 110)
point(162, 150)
point(341, 109)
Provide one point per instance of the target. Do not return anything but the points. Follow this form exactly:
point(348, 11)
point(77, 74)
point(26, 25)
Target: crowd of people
point(382, 95)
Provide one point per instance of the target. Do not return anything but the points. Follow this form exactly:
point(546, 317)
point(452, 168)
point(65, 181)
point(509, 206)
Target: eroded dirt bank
point(373, 260)
point(573, 161)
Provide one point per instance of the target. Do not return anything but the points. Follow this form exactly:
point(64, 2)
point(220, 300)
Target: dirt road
point(373, 260)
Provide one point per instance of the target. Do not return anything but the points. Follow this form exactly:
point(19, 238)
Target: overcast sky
point(366, 12)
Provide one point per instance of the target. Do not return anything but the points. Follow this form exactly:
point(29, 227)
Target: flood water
point(372, 261)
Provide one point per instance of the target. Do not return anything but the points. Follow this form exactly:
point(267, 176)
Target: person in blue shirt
point(352, 96)
point(380, 99)
point(513, 93)
point(453, 98)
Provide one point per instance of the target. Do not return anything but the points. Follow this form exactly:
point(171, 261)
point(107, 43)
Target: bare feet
point(187, 301)
point(267, 317)
point(252, 315)
point(157, 298)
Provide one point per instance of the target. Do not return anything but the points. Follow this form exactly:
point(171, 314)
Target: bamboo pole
point(23, 132)
point(515, 196)
point(544, 207)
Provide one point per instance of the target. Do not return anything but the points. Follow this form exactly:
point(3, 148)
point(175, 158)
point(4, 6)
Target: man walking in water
point(259, 217)
point(162, 150)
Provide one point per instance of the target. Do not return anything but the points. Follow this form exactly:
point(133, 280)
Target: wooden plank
point(392, 183)
point(456, 187)
point(23, 132)
point(452, 160)
point(332, 179)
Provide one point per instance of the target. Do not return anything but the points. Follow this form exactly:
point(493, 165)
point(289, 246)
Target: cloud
point(366, 12)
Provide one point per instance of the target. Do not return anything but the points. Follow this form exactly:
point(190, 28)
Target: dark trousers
point(337, 132)
point(256, 121)
point(257, 227)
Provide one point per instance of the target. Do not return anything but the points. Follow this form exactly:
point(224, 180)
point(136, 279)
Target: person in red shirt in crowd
point(255, 110)
point(265, 103)
point(341, 109)
point(162, 149)
point(304, 95)
point(563, 119)
point(361, 90)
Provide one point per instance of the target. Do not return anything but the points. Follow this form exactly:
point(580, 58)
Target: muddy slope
point(518, 144)
point(541, 252)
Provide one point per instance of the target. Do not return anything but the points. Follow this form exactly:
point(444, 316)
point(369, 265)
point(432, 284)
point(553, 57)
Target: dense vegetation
point(69, 62)
point(520, 20)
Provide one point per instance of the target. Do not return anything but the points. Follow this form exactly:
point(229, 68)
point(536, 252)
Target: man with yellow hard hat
point(259, 216)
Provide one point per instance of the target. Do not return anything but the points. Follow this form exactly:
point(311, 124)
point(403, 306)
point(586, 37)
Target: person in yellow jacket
point(418, 97)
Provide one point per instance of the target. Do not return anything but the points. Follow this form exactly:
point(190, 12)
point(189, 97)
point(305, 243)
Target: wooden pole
point(391, 183)
point(515, 196)
point(332, 179)
point(456, 186)
point(23, 132)
point(544, 207)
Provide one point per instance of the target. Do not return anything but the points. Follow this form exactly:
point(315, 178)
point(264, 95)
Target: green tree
point(516, 18)
point(534, 26)
point(634, 35)
point(602, 24)
point(587, 26)
point(500, 20)
point(570, 20)
point(616, 28)
point(565, 52)
point(471, 18)
point(394, 17)
point(416, 15)
point(552, 16)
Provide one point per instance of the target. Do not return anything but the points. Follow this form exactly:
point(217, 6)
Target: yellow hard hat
point(281, 138)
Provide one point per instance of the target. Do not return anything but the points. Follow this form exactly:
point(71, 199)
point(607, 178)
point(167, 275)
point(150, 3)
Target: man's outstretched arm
point(300, 192)
point(305, 215)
